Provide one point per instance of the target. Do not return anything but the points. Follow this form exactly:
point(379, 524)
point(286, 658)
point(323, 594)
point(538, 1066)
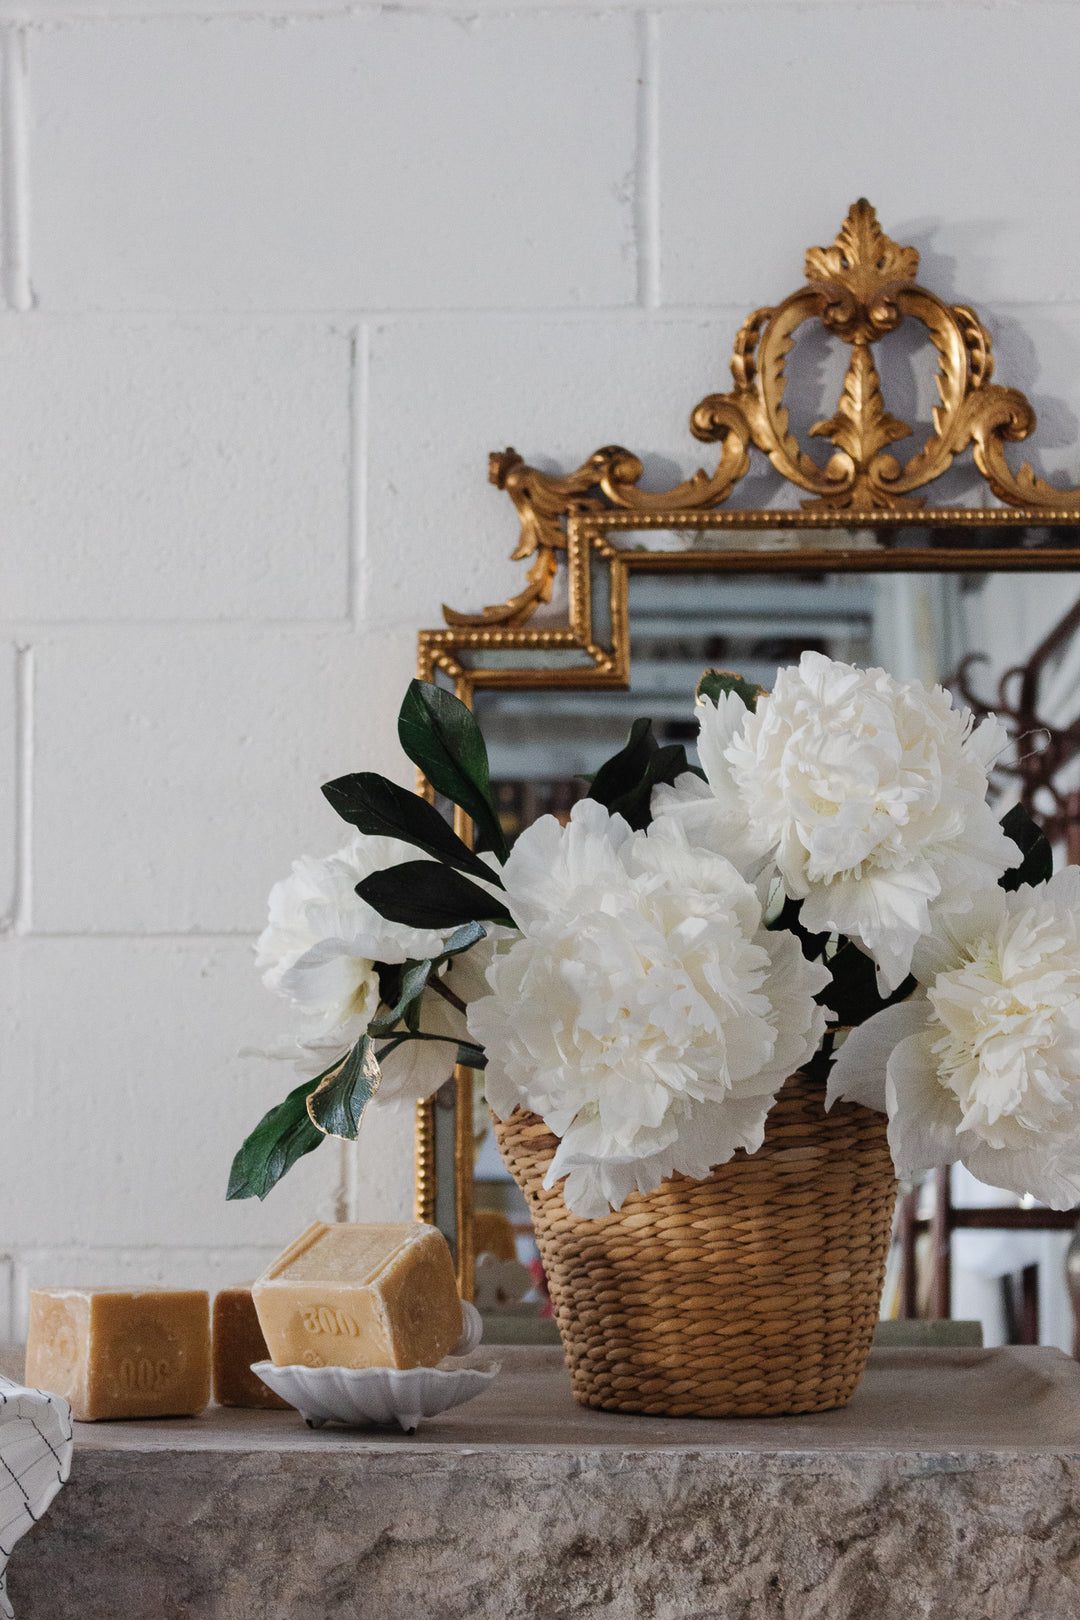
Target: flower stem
point(447, 994)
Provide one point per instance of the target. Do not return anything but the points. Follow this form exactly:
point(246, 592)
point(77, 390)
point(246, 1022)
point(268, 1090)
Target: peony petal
point(719, 724)
point(923, 1115)
point(414, 1071)
point(549, 862)
point(1035, 1171)
point(330, 984)
point(708, 823)
point(952, 932)
point(859, 1067)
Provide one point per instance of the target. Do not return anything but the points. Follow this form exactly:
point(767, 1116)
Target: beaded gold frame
point(861, 505)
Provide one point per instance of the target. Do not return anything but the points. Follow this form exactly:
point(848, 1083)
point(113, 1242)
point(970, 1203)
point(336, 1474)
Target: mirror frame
point(860, 288)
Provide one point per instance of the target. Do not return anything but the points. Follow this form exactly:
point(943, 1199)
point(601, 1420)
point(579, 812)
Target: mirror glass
point(966, 630)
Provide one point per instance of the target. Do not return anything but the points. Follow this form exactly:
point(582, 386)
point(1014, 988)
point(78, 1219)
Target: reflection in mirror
point(922, 626)
point(964, 630)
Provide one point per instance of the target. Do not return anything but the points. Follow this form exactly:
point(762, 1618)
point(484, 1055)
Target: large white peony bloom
point(868, 792)
point(322, 939)
point(984, 1066)
point(319, 950)
point(645, 1012)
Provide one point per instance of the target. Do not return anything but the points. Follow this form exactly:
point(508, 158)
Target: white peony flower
point(319, 951)
point(868, 792)
point(645, 1013)
point(984, 1066)
point(322, 939)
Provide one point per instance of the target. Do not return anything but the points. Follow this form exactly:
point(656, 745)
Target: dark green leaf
point(423, 894)
point(389, 976)
point(377, 806)
point(817, 1067)
point(790, 917)
point(336, 1107)
point(853, 993)
point(623, 772)
point(281, 1137)
point(414, 977)
point(715, 681)
point(438, 733)
point(665, 765)
point(1037, 864)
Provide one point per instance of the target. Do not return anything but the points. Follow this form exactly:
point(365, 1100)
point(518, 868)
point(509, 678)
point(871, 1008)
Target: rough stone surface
point(949, 1487)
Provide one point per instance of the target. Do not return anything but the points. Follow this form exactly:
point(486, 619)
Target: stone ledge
point(950, 1485)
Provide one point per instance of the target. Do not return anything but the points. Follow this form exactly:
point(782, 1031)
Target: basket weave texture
point(749, 1294)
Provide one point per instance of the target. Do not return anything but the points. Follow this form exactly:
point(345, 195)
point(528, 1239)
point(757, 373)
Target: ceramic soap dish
point(363, 1395)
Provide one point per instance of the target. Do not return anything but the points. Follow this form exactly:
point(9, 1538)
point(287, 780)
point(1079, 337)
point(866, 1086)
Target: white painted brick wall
point(9, 778)
point(933, 112)
point(7, 1308)
point(378, 159)
point(277, 275)
point(198, 754)
point(158, 470)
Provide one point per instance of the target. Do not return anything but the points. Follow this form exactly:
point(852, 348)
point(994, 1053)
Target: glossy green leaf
point(337, 1106)
point(281, 1137)
point(423, 894)
point(378, 806)
point(625, 782)
point(624, 771)
point(665, 766)
point(440, 735)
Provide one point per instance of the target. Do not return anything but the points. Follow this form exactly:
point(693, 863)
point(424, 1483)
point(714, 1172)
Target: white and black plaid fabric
point(35, 1460)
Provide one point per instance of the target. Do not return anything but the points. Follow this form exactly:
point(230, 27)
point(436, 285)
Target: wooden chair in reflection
point(1021, 1309)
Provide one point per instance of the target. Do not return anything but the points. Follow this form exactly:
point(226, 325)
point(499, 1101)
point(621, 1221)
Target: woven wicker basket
point(749, 1294)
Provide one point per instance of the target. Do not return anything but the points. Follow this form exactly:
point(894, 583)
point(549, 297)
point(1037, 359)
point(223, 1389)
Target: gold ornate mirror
point(629, 593)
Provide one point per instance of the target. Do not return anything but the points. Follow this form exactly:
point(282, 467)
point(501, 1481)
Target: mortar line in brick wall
point(215, 936)
point(648, 162)
point(14, 172)
point(277, 13)
point(7, 1294)
point(17, 1252)
point(732, 310)
point(359, 415)
point(19, 919)
point(58, 629)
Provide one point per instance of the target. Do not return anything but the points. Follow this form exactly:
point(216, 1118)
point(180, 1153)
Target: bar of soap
point(350, 1295)
point(118, 1353)
point(238, 1341)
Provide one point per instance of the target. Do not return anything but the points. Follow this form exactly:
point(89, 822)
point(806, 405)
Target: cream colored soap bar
point(117, 1353)
point(361, 1296)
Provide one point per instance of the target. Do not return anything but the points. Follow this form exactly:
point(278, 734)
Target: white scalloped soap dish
point(362, 1395)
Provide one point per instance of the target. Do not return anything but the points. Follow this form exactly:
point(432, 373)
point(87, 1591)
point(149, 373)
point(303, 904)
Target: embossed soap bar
point(238, 1342)
point(116, 1353)
point(361, 1296)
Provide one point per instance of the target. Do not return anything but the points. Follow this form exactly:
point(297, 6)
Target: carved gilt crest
point(860, 288)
